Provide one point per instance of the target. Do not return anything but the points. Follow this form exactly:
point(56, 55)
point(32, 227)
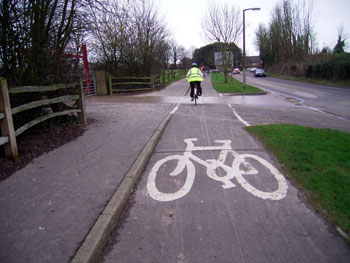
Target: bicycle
point(233, 171)
point(195, 94)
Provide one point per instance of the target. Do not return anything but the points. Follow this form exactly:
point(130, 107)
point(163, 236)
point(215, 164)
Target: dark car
point(259, 73)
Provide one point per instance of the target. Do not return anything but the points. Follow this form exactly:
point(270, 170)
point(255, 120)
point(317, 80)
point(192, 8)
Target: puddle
point(155, 99)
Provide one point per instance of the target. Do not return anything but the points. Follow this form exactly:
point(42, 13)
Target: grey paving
point(48, 207)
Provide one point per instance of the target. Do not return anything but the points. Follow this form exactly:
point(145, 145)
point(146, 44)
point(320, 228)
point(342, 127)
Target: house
point(253, 62)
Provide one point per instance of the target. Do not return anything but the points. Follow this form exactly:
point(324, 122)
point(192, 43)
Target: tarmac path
point(195, 216)
point(49, 208)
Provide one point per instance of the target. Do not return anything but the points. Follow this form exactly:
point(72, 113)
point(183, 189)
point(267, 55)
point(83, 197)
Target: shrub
point(342, 66)
point(337, 67)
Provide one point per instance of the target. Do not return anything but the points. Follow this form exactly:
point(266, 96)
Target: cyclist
point(202, 70)
point(195, 77)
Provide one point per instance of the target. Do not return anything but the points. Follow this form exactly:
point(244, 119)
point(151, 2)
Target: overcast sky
point(184, 20)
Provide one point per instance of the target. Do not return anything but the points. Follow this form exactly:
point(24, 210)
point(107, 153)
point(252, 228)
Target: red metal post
point(86, 67)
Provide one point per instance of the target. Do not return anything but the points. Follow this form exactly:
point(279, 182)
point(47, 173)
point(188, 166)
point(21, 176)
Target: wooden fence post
point(101, 83)
point(7, 129)
point(110, 84)
point(81, 104)
point(152, 82)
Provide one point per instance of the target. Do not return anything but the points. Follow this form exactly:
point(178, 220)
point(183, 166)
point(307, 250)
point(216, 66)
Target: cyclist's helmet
point(194, 64)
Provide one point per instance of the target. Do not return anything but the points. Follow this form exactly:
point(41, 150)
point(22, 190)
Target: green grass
point(232, 85)
point(171, 80)
point(318, 160)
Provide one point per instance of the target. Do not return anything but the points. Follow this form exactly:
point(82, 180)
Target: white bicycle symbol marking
point(183, 161)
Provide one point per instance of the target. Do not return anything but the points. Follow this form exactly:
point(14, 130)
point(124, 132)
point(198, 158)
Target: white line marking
point(228, 104)
point(239, 167)
point(326, 113)
point(240, 119)
point(315, 109)
point(174, 110)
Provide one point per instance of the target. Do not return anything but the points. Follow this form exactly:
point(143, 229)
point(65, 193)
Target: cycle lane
point(210, 223)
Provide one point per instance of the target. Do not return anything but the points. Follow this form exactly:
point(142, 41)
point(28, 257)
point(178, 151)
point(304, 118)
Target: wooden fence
point(8, 131)
point(169, 74)
point(133, 83)
point(120, 84)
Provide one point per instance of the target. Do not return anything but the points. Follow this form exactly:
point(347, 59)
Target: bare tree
point(182, 53)
point(112, 37)
point(289, 38)
point(177, 53)
point(222, 23)
point(151, 36)
point(129, 38)
point(34, 36)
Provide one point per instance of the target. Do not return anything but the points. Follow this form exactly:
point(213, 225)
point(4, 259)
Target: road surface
point(211, 193)
point(329, 100)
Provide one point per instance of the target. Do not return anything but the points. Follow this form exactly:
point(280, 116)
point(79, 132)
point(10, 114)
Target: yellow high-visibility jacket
point(194, 74)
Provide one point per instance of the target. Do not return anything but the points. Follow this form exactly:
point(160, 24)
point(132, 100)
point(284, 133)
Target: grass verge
point(171, 80)
point(318, 161)
point(232, 86)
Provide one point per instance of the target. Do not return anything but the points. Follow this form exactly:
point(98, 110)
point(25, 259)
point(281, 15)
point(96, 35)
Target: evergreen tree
point(339, 47)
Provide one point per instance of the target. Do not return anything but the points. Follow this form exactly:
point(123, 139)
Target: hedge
point(336, 68)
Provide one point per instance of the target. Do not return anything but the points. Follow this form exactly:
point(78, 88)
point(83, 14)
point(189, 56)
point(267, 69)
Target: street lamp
point(254, 9)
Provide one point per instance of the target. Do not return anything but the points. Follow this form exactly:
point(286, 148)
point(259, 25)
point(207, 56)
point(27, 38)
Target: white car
point(236, 71)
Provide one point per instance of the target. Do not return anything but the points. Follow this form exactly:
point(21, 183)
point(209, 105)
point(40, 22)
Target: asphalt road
point(211, 193)
point(285, 102)
point(329, 100)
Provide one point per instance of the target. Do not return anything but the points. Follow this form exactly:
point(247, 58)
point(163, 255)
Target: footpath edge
point(94, 242)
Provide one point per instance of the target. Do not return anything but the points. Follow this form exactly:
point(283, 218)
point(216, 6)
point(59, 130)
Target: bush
point(342, 66)
point(336, 67)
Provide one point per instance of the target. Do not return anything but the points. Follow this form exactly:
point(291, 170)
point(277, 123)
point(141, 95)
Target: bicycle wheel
point(195, 95)
point(281, 191)
point(182, 163)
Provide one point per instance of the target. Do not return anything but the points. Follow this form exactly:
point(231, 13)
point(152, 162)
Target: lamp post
point(254, 9)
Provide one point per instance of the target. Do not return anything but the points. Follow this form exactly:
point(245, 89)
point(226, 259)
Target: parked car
point(252, 70)
point(259, 73)
point(236, 71)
